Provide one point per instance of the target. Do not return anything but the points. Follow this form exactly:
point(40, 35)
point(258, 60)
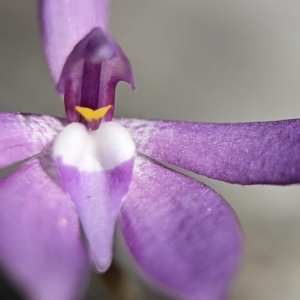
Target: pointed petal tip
point(124, 69)
point(101, 264)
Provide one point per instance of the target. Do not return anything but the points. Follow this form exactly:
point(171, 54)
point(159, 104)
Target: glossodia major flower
point(59, 209)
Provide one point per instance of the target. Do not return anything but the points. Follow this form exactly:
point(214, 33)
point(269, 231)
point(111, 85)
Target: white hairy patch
point(103, 149)
point(38, 129)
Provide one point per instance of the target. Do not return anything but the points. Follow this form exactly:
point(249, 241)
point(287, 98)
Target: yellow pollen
point(90, 114)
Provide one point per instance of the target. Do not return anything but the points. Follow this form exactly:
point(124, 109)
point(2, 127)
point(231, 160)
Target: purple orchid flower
point(88, 171)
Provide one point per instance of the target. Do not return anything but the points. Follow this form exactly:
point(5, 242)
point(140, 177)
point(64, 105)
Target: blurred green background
point(212, 61)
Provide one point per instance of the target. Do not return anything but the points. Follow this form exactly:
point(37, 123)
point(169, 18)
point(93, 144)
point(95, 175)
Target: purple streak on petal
point(40, 243)
point(85, 62)
point(23, 135)
point(244, 153)
point(180, 232)
point(90, 85)
point(98, 197)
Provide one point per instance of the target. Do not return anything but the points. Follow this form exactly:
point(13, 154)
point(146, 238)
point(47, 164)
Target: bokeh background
point(196, 60)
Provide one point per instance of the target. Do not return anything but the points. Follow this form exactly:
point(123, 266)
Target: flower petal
point(244, 153)
point(65, 23)
point(96, 170)
point(24, 135)
point(180, 232)
point(85, 62)
point(40, 244)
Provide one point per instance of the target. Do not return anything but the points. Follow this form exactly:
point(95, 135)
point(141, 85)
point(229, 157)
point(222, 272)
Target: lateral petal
point(24, 135)
point(96, 170)
point(243, 153)
point(40, 243)
point(180, 232)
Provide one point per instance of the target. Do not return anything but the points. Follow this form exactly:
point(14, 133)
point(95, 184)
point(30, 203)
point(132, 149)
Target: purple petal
point(180, 232)
point(24, 135)
point(40, 244)
point(96, 170)
point(244, 153)
point(85, 62)
point(65, 23)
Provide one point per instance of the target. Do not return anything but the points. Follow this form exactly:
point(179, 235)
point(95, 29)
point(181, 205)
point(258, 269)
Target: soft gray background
point(199, 60)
